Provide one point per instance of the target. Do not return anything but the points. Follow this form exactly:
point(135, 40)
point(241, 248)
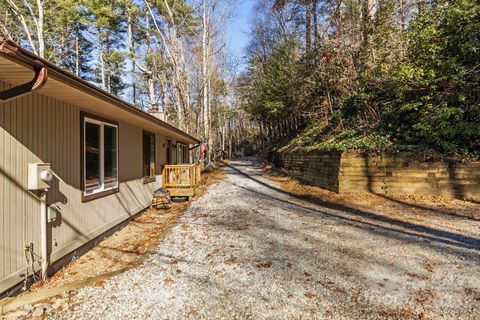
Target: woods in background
point(376, 75)
point(166, 55)
point(365, 74)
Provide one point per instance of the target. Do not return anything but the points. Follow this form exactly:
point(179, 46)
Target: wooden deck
point(181, 179)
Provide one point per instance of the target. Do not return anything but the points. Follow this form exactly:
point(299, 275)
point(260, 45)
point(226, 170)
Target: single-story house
point(105, 156)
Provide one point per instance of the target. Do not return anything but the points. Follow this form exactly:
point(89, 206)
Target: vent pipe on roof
point(38, 81)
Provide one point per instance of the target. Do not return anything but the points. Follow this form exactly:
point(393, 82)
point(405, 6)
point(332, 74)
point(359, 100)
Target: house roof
point(17, 66)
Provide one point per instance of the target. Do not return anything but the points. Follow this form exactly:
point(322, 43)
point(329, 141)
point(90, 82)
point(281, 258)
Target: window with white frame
point(100, 156)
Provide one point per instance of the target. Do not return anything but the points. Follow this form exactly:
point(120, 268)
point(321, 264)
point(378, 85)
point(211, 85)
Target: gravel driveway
point(246, 249)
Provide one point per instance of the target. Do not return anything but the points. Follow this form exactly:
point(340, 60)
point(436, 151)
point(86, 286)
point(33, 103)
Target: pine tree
point(107, 23)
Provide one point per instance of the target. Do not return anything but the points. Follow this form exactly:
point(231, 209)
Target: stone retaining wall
point(319, 168)
point(400, 173)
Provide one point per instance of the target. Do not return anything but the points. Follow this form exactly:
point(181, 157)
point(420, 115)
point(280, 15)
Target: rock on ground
point(247, 249)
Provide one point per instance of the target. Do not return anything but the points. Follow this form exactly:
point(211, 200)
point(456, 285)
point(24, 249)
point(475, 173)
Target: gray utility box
point(39, 175)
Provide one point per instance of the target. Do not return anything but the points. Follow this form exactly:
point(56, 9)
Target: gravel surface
point(247, 249)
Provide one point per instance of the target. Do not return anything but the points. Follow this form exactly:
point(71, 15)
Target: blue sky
point(239, 27)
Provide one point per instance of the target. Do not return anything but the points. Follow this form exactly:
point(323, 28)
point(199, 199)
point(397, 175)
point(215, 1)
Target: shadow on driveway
point(439, 240)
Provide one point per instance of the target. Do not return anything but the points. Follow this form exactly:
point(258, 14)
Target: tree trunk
point(23, 22)
point(270, 132)
point(183, 90)
point(101, 59)
point(77, 56)
point(279, 130)
point(41, 41)
point(162, 96)
point(316, 36)
point(205, 99)
point(151, 92)
point(308, 26)
point(131, 50)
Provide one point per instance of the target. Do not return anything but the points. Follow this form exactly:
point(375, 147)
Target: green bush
point(414, 89)
point(433, 99)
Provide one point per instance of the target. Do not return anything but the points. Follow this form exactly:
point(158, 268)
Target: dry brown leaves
point(419, 276)
point(126, 246)
point(264, 265)
point(230, 261)
point(422, 208)
point(425, 296)
point(430, 267)
point(398, 313)
point(473, 293)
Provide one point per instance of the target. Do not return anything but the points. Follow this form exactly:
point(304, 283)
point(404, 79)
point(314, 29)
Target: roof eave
point(12, 50)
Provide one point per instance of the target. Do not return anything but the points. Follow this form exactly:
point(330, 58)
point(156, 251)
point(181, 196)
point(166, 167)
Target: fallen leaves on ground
point(430, 267)
point(421, 209)
point(126, 246)
point(264, 265)
point(398, 313)
point(230, 261)
point(425, 296)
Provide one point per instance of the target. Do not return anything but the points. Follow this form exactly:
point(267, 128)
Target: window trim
point(182, 146)
point(169, 151)
point(149, 179)
point(100, 193)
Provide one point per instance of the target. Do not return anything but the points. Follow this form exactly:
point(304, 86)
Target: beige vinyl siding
point(19, 216)
point(160, 152)
point(36, 128)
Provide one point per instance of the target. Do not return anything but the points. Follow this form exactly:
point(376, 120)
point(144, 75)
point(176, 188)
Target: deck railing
point(181, 179)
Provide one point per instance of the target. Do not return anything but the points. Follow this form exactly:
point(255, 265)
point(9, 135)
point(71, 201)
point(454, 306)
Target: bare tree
point(26, 11)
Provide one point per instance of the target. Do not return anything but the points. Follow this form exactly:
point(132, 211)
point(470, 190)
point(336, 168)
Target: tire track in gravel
point(248, 250)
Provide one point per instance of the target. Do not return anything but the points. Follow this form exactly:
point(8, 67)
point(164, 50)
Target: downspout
point(40, 78)
point(38, 81)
